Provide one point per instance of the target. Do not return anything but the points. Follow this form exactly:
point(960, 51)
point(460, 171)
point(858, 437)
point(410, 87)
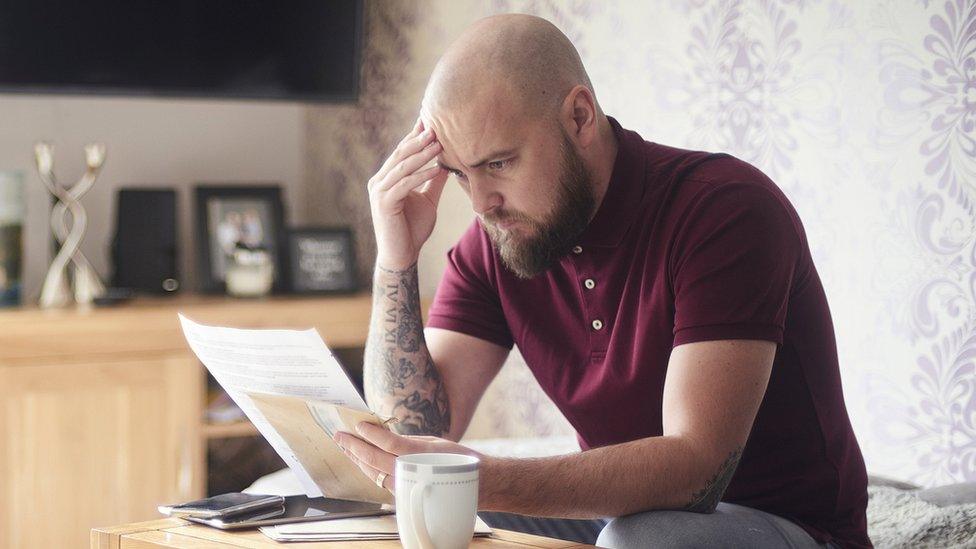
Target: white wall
point(151, 142)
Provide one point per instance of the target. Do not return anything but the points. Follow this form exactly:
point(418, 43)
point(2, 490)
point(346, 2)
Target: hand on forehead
point(486, 129)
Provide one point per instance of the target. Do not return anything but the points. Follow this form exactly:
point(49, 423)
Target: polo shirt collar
point(622, 200)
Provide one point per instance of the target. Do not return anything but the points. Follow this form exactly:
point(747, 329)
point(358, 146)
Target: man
point(665, 300)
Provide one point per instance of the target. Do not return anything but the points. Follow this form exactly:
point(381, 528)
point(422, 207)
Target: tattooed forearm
point(399, 376)
point(707, 499)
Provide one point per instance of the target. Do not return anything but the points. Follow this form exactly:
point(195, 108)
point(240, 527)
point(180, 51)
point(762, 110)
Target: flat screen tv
point(306, 50)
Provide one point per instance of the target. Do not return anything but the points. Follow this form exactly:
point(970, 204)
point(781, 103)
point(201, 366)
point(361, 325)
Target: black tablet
point(300, 509)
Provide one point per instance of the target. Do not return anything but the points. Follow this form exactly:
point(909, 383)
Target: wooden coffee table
point(174, 532)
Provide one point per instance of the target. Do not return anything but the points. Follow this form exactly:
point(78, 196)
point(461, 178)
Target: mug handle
point(417, 515)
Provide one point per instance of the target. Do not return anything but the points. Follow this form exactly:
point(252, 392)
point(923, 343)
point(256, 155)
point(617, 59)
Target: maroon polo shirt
point(686, 246)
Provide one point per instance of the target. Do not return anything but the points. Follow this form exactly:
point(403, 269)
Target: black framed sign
point(232, 217)
point(321, 260)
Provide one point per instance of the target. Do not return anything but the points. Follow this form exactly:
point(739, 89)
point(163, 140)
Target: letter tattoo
point(400, 377)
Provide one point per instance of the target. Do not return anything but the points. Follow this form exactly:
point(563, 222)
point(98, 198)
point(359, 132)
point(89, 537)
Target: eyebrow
point(491, 157)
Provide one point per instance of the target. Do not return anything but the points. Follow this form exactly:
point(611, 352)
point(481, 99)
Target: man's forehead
point(469, 134)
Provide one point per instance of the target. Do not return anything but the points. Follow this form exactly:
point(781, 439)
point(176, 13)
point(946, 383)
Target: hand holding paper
point(263, 364)
point(308, 427)
point(299, 397)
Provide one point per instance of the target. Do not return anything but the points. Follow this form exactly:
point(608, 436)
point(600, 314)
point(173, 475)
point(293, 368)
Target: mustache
point(495, 217)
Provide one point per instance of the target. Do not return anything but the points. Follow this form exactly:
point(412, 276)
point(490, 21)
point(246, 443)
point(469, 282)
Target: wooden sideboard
point(101, 409)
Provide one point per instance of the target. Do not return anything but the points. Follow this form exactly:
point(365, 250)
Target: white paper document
point(276, 362)
point(383, 527)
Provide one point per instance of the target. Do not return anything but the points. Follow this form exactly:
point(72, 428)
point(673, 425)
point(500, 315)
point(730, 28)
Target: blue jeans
point(730, 526)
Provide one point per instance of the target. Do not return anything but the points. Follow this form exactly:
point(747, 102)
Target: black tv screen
point(282, 49)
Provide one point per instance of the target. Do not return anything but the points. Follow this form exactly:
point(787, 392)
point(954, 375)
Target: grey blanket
point(899, 518)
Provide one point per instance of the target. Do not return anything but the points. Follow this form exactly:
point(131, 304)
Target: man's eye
point(457, 174)
point(496, 164)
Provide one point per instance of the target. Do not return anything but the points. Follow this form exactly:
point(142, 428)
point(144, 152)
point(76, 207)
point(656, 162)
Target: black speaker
point(144, 247)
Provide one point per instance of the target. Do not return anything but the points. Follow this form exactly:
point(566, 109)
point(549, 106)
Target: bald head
point(516, 122)
point(521, 58)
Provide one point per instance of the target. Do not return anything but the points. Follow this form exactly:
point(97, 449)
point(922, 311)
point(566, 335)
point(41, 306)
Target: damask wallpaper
point(863, 112)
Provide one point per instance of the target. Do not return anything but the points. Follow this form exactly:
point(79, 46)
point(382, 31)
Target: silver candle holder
point(57, 292)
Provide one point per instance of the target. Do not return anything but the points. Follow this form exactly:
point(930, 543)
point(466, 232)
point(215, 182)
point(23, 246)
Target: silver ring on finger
point(380, 478)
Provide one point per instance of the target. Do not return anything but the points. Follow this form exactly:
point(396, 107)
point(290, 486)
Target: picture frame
point(321, 260)
point(231, 215)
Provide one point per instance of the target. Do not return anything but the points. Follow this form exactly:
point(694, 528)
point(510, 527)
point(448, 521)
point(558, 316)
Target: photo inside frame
point(238, 222)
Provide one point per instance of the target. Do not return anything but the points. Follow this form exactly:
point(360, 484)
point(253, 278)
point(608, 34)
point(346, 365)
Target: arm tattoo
point(399, 376)
point(707, 499)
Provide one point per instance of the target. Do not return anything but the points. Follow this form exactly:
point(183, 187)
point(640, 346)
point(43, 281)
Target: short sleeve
point(733, 263)
point(466, 300)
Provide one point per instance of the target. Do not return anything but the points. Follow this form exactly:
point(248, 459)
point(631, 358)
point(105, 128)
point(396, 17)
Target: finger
point(435, 187)
point(424, 438)
point(418, 127)
point(408, 166)
point(408, 184)
point(367, 453)
point(413, 182)
point(373, 474)
point(385, 440)
point(411, 144)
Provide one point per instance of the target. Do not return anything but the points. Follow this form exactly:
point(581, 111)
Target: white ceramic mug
point(436, 500)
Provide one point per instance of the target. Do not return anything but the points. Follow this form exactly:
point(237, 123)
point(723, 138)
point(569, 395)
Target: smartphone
point(224, 505)
point(300, 509)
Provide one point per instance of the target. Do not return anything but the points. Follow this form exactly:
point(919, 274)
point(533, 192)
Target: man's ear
point(578, 114)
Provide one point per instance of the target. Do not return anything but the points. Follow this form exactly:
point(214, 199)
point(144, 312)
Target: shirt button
point(598, 324)
point(589, 283)
point(577, 250)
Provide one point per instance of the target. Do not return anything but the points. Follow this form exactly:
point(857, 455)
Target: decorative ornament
point(87, 286)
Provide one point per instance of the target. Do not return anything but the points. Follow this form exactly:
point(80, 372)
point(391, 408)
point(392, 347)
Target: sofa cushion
point(878, 480)
point(950, 494)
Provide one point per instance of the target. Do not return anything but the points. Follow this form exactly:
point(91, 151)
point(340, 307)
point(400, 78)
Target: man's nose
point(483, 198)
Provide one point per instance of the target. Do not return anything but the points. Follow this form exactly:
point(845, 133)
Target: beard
point(555, 236)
